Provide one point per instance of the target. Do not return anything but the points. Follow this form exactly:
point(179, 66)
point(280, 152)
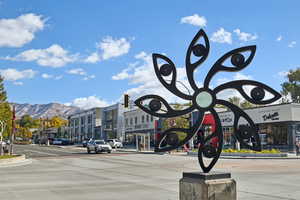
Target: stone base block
point(207, 186)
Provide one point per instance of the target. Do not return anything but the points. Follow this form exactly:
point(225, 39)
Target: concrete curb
point(16, 161)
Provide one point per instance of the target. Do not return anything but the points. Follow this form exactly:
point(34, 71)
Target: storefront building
point(112, 122)
point(140, 126)
point(278, 125)
point(85, 125)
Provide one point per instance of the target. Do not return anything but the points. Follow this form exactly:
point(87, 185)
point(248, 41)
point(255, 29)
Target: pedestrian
point(297, 144)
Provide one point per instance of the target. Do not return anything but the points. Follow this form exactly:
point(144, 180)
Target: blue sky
point(89, 54)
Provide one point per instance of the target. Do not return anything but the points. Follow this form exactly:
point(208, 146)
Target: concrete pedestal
point(207, 186)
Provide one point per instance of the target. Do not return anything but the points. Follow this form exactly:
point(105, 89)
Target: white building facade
point(85, 124)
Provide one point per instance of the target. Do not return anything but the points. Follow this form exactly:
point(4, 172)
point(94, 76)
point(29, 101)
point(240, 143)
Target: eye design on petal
point(238, 59)
point(245, 131)
point(209, 151)
point(163, 71)
point(166, 70)
point(157, 106)
point(199, 50)
point(257, 94)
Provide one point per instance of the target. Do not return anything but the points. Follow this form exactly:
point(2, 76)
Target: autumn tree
point(27, 121)
point(57, 122)
point(292, 86)
point(179, 122)
point(5, 111)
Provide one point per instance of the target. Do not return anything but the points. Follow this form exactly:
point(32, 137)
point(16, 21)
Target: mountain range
point(44, 110)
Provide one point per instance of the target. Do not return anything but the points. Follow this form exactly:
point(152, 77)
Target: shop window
point(143, 119)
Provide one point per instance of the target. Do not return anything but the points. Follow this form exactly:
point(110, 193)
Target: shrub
point(273, 151)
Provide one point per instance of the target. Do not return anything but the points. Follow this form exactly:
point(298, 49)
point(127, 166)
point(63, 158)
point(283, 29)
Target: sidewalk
point(17, 161)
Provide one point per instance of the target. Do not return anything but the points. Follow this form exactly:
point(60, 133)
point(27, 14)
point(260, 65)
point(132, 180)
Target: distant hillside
point(44, 110)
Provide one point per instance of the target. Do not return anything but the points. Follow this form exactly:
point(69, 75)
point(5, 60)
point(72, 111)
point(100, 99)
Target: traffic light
point(126, 100)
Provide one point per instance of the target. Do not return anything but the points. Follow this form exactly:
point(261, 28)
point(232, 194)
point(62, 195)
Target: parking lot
point(70, 173)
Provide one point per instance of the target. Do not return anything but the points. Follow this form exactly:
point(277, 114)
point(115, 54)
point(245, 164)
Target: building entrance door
point(142, 142)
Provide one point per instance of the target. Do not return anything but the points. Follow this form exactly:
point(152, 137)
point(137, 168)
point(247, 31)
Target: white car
point(98, 146)
point(114, 143)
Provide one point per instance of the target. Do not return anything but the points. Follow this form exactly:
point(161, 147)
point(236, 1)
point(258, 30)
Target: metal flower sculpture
point(204, 100)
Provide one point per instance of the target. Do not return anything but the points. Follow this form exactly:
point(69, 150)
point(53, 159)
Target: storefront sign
point(271, 116)
point(278, 113)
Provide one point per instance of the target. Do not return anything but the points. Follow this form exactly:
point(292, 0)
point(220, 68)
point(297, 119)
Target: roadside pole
point(1, 136)
point(12, 135)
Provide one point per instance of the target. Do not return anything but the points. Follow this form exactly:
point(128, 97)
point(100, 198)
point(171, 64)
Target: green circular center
point(204, 99)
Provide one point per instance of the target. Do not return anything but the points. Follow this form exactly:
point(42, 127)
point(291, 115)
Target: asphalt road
point(71, 176)
point(36, 151)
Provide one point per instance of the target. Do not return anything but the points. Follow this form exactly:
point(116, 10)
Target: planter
point(273, 155)
point(260, 155)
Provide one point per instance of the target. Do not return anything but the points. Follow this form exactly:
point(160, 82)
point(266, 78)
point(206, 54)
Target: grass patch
point(7, 156)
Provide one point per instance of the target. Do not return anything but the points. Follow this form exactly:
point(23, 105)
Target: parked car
point(114, 143)
point(85, 142)
point(57, 141)
point(98, 146)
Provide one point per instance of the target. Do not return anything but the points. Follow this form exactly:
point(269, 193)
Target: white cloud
point(279, 38)
point(195, 20)
point(77, 71)
point(18, 83)
point(240, 76)
point(122, 75)
point(292, 44)
point(21, 30)
point(89, 77)
point(221, 36)
point(243, 36)
point(11, 74)
point(54, 56)
point(283, 73)
point(142, 76)
point(88, 102)
point(47, 76)
point(93, 58)
point(113, 47)
point(81, 72)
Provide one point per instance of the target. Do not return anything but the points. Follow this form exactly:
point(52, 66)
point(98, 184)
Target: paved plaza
point(63, 175)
